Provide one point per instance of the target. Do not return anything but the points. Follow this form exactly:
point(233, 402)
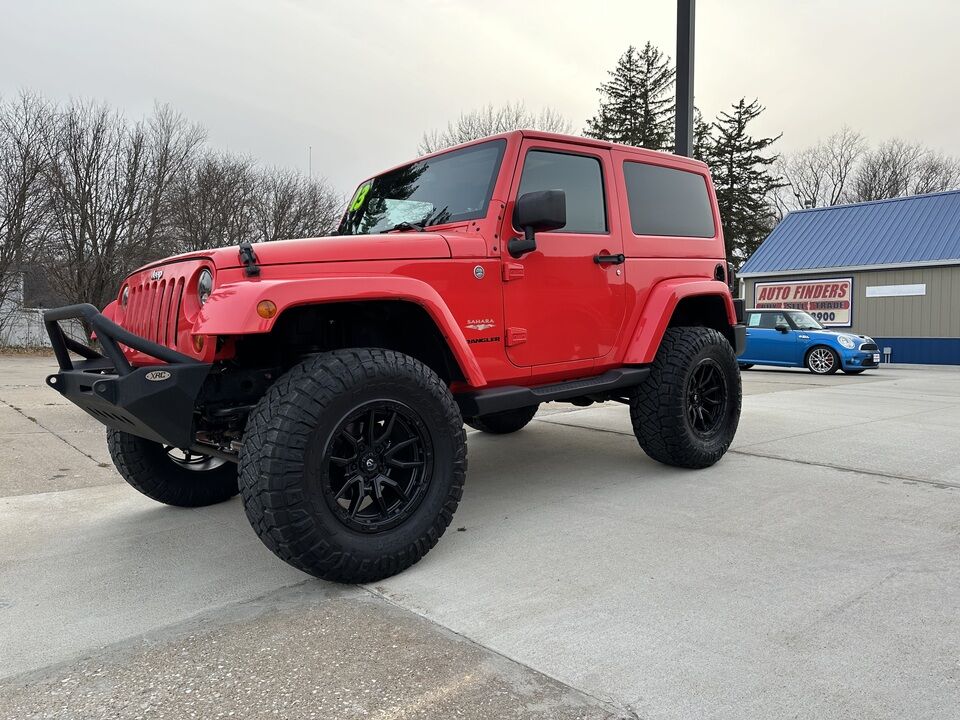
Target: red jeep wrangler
point(328, 379)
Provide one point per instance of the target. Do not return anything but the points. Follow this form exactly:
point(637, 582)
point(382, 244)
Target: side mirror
point(536, 212)
point(783, 328)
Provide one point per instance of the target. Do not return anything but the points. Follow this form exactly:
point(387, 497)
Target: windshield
point(804, 321)
point(447, 188)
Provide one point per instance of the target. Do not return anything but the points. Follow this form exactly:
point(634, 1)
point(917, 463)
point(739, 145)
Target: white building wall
point(22, 327)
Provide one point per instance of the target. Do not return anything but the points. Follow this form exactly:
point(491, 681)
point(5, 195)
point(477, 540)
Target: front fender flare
point(658, 310)
point(232, 308)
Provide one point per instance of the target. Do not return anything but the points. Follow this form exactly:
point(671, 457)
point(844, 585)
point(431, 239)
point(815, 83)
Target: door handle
point(603, 259)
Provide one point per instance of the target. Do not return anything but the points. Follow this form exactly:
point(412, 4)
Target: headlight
point(848, 342)
point(204, 285)
point(125, 296)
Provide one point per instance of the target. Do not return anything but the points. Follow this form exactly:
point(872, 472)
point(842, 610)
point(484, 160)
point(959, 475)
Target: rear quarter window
point(666, 201)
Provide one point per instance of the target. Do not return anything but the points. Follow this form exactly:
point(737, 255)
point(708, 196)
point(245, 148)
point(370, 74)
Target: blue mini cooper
point(792, 338)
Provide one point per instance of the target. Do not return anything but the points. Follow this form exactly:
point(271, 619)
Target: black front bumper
point(155, 402)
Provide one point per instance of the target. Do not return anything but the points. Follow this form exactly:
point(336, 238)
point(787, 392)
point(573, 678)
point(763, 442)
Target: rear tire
point(169, 476)
point(822, 360)
point(353, 464)
point(687, 410)
point(746, 366)
point(504, 422)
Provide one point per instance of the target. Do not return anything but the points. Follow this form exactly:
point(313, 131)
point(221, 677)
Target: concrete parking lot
point(813, 573)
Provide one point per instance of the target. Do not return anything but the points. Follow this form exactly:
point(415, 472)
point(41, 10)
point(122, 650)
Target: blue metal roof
point(901, 231)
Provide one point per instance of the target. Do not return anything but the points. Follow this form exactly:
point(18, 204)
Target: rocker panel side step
point(510, 397)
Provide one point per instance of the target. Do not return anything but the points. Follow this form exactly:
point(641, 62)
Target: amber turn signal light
point(198, 343)
point(266, 309)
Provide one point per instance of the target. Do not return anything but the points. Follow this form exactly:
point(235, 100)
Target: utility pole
point(685, 26)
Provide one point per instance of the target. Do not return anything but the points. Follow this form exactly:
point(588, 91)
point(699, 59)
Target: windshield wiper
point(406, 226)
point(438, 217)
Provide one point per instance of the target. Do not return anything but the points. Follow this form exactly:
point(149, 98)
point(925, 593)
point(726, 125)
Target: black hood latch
point(249, 259)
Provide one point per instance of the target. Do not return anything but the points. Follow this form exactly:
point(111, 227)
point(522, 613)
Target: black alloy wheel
point(377, 466)
point(706, 398)
point(686, 412)
point(353, 464)
point(193, 461)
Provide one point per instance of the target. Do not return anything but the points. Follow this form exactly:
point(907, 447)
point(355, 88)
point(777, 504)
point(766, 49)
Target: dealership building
point(889, 269)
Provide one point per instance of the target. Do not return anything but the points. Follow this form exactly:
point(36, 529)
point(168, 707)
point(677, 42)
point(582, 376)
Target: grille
point(869, 347)
point(153, 311)
point(156, 309)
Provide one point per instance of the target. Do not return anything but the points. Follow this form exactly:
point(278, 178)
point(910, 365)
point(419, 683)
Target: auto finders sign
point(829, 301)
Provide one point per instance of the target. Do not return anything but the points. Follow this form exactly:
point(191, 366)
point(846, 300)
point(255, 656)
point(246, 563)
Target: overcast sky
point(360, 81)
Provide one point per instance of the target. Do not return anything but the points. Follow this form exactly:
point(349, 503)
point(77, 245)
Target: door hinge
point(512, 271)
point(516, 336)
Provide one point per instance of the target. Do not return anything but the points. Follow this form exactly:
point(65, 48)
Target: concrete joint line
point(54, 433)
point(610, 706)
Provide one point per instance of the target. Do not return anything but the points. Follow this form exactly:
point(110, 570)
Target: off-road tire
point(659, 407)
point(505, 422)
point(146, 465)
point(808, 361)
point(282, 463)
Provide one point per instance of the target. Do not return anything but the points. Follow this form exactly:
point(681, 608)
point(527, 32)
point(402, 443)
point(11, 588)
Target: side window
point(753, 319)
point(665, 201)
point(579, 176)
point(770, 320)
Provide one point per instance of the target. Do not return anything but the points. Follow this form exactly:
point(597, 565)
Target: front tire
point(687, 410)
point(822, 360)
point(169, 475)
point(353, 464)
point(505, 422)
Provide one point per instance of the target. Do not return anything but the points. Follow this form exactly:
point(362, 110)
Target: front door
point(560, 305)
point(769, 345)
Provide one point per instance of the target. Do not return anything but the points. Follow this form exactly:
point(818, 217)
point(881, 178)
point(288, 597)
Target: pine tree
point(743, 182)
point(636, 104)
point(702, 138)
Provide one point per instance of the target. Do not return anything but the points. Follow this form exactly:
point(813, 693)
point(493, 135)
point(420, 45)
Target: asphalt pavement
point(813, 572)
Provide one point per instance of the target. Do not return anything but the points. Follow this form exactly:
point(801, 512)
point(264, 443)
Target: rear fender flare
point(658, 311)
point(232, 309)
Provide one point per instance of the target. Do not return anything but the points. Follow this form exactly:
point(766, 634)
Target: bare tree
point(490, 120)
point(172, 147)
point(290, 205)
point(898, 168)
point(109, 183)
point(820, 175)
point(212, 202)
point(935, 173)
point(25, 124)
point(842, 169)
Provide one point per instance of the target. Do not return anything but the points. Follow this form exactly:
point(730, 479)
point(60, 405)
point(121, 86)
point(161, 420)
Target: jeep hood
point(337, 248)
